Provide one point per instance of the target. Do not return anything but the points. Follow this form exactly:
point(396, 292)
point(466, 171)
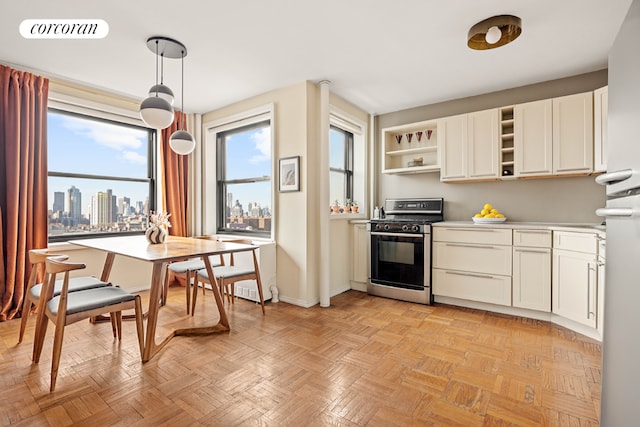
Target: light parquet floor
point(364, 361)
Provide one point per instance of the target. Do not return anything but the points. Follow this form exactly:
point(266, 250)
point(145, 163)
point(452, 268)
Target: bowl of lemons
point(488, 215)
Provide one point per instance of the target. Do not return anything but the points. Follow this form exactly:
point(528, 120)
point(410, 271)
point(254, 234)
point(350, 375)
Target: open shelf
point(507, 166)
point(405, 144)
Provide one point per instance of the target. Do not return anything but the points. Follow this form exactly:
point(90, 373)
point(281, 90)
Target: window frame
point(106, 117)
point(222, 184)
point(348, 160)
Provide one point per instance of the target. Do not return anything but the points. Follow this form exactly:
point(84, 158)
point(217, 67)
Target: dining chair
point(67, 308)
point(32, 293)
point(228, 275)
point(189, 268)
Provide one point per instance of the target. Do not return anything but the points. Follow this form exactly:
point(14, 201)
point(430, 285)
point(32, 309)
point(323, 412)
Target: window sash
point(223, 183)
point(150, 179)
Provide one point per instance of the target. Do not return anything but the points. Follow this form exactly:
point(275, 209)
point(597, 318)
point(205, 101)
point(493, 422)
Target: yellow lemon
point(484, 211)
point(499, 215)
point(477, 215)
point(494, 211)
point(488, 206)
point(490, 215)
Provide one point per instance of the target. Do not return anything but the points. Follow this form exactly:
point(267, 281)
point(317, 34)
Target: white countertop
point(583, 227)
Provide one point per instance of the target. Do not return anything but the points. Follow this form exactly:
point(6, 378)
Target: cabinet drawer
point(489, 236)
point(577, 242)
point(486, 259)
point(470, 286)
point(532, 238)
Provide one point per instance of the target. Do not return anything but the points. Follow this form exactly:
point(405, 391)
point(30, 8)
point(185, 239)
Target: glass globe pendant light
point(181, 141)
point(156, 111)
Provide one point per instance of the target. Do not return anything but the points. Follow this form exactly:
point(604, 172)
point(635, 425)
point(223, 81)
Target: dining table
point(174, 248)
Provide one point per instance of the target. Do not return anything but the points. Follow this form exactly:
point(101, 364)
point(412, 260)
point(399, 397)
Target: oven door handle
point(414, 236)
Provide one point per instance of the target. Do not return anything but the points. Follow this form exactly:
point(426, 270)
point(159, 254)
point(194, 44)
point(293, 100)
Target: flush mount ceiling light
point(156, 111)
point(181, 141)
point(494, 32)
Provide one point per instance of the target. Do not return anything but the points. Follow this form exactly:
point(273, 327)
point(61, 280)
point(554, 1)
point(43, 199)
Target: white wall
point(296, 214)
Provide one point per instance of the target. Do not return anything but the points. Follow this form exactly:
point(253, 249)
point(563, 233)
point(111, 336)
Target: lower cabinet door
point(493, 289)
point(532, 278)
point(574, 288)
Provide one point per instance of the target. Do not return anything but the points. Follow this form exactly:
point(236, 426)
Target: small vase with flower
point(156, 232)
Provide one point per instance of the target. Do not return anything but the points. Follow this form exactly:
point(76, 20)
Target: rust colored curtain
point(175, 171)
point(23, 179)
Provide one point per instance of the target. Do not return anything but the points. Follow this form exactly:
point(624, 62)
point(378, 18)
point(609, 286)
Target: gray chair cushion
point(182, 267)
point(227, 271)
point(75, 284)
point(90, 299)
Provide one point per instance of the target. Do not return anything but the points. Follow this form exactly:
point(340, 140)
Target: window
point(101, 176)
point(244, 179)
point(341, 165)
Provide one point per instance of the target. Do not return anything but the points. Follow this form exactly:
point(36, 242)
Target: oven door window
point(397, 261)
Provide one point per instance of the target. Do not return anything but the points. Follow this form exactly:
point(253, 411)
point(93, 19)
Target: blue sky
point(97, 148)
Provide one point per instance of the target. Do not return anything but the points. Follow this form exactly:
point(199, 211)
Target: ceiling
point(380, 55)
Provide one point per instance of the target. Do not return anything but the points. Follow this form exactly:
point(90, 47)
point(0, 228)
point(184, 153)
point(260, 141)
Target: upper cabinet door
point(600, 128)
point(533, 133)
point(452, 139)
point(483, 143)
point(573, 134)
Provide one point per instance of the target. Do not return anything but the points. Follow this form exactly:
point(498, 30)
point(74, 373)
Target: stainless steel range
point(401, 249)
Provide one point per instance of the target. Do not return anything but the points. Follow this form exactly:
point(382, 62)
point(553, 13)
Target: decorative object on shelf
point(429, 132)
point(398, 139)
point(289, 174)
point(409, 136)
point(335, 207)
point(494, 32)
point(354, 207)
point(156, 232)
point(417, 161)
point(419, 135)
point(181, 141)
point(156, 111)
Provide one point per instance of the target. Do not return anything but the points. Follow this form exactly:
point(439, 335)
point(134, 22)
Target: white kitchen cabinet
point(532, 269)
point(452, 140)
point(573, 134)
point(360, 254)
point(464, 268)
point(483, 139)
point(403, 146)
point(533, 138)
point(574, 277)
point(600, 128)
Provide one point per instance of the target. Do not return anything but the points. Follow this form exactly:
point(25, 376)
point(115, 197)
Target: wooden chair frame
point(62, 319)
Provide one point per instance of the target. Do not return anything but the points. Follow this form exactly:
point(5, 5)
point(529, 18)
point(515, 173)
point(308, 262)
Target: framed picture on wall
point(289, 174)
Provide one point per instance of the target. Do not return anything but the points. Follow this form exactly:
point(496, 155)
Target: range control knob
point(378, 226)
point(386, 227)
point(405, 228)
point(415, 228)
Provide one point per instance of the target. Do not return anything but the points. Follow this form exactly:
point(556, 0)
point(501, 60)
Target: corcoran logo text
point(64, 29)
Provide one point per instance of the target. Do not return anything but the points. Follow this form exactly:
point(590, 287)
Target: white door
point(533, 138)
point(532, 278)
point(483, 143)
point(573, 134)
point(452, 139)
point(574, 286)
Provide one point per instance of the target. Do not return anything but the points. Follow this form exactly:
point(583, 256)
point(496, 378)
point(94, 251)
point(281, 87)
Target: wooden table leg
point(150, 346)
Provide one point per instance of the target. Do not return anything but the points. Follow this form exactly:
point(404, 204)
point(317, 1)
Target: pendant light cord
point(182, 90)
point(157, 68)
